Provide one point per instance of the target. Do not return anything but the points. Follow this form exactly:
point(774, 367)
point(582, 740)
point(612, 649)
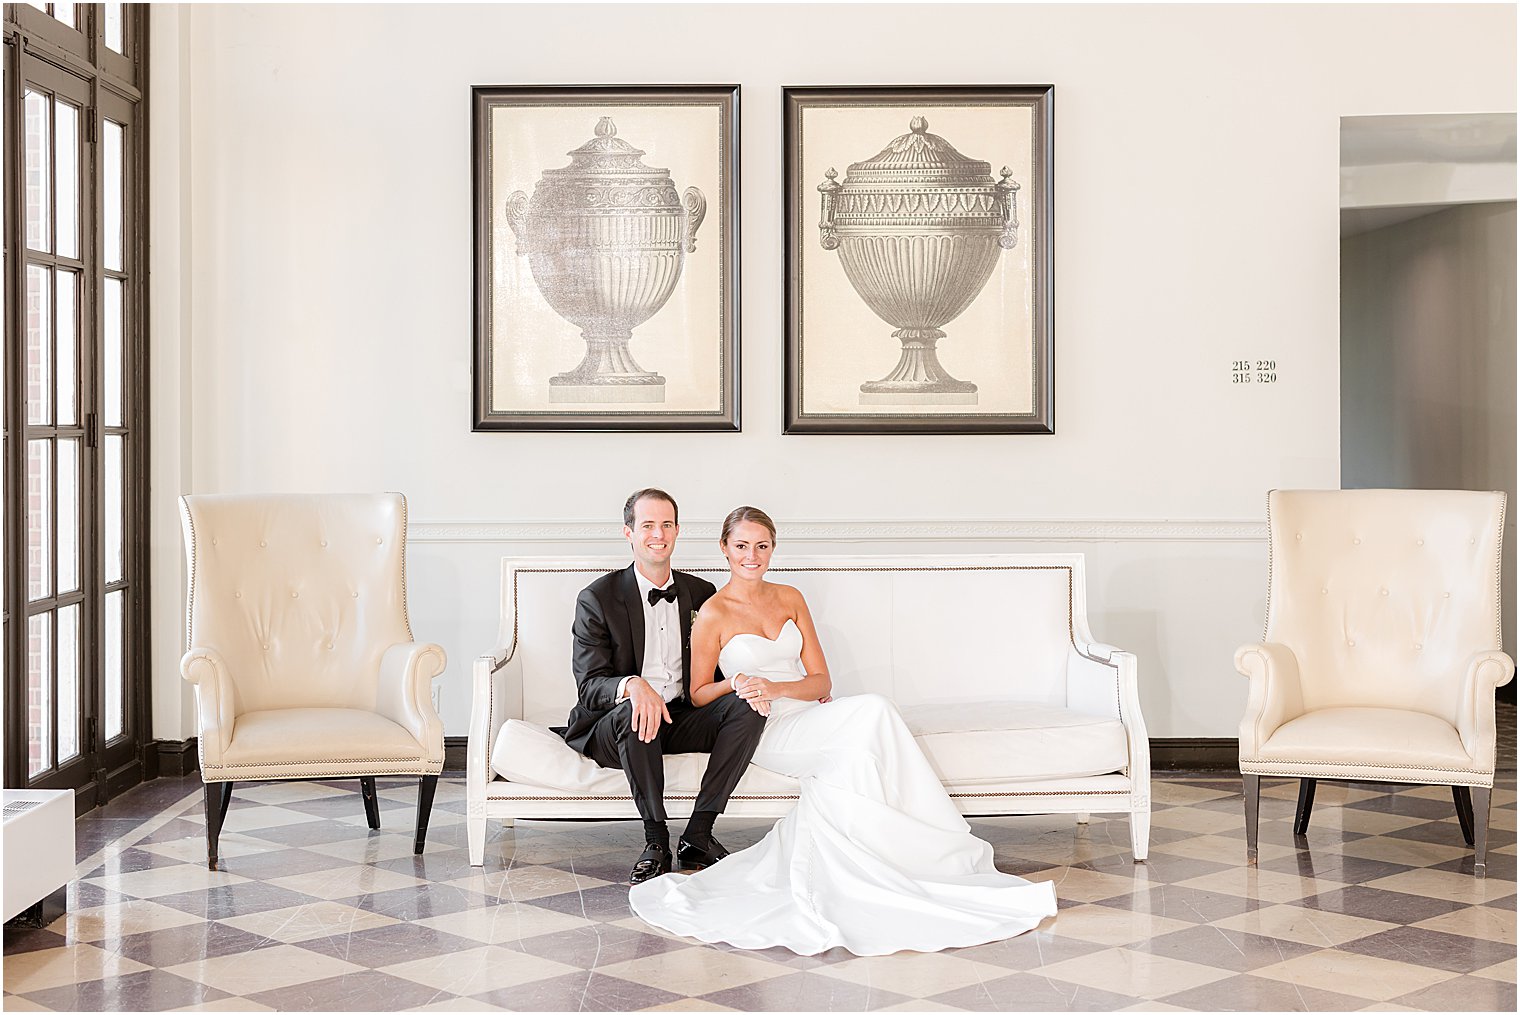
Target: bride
point(874, 858)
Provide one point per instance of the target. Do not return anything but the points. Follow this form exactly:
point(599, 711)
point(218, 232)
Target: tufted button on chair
point(1381, 653)
point(301, 652)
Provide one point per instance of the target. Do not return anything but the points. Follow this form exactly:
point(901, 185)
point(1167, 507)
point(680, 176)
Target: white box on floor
point(39, 845)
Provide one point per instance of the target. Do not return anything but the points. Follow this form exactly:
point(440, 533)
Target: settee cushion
point(1372, 738)
point(318, 736)
point(987, 742)
point(968, 743)
point(533, 755)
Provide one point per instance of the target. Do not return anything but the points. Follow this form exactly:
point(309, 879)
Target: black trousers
point(728, 729)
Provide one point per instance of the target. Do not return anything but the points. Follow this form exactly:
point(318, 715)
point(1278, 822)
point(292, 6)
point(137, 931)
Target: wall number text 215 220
point(1253, 371)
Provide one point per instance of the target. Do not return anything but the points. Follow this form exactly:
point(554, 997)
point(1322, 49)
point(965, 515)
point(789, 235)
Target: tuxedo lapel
point(683, 605)
point(635, 619)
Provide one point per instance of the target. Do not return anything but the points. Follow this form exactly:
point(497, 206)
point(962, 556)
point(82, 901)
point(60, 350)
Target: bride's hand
point(758, 689)
point(739, 682)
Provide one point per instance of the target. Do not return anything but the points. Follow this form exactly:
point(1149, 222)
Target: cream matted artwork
point(606, 258)
point(919, 254)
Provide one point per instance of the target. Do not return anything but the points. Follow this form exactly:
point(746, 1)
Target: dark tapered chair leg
point(1462, 797)
point(1305, 805)
point(371, 801)
point(425, 790)
point(1482, 796)
point(217, 795)
point(1251, 784)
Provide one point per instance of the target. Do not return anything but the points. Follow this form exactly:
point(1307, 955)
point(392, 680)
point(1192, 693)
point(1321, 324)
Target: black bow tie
point(669, 595)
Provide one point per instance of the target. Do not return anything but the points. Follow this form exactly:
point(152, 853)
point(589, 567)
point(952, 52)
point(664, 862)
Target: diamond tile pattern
point(1375, 909)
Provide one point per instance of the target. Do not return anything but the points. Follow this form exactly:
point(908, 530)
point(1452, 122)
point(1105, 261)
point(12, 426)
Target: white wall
point(324, 274)
point(1428, 359)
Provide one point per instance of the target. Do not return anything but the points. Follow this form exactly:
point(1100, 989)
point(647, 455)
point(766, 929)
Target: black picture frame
point(523, 135)
point(850, 337)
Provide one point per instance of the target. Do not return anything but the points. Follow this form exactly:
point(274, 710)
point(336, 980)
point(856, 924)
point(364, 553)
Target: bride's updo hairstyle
point(746, 514)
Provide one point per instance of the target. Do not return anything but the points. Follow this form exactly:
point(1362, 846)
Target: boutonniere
point(693, 617)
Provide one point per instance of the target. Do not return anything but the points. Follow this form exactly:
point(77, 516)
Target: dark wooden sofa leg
point(218, 799)
point(1482, 797)
point(1251, 784)
point(371, 801)
point(1305, 805)
point(1462, 797)
point(425, 790)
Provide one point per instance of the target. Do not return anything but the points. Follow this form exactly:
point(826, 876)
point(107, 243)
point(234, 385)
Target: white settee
point(988, 658)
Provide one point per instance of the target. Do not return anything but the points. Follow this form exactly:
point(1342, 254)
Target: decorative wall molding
point(909, 530)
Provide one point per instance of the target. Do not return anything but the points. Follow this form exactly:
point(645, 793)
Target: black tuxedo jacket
point(609, 643)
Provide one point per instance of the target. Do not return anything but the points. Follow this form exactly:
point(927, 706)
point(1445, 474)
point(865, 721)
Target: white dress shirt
point(662, 643)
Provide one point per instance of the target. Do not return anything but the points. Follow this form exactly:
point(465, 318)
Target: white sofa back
point(871, 613)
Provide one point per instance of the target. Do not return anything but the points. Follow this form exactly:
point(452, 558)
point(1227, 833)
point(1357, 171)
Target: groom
point(632, 665)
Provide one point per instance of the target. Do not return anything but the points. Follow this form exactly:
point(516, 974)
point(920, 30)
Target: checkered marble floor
point(314, 911)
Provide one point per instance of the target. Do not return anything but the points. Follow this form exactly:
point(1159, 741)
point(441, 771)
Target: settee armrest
point(497, 697)
point(405, 694)
point(1485, 672)
point(1275, 696)
point(215, 701)
point(1093, 680)
point(1104, 680)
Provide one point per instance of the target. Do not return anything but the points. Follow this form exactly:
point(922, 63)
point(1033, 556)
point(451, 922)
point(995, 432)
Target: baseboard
point(1168, 754)
point(175, 757)
point(1195, 754)
point(454, 753)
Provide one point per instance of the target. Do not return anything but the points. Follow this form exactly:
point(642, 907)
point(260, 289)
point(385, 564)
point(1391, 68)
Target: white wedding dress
point(874, 858)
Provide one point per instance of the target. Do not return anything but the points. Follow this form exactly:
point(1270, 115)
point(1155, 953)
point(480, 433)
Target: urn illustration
point(606, 238)
point(919, 229)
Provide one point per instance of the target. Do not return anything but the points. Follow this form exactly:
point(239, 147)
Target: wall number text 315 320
point(1253, 371)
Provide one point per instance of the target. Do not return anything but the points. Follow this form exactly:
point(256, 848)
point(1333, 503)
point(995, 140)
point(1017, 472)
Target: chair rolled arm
point(405, 693)
point(1276, 693)
point(215, 702)
point(1485, 672)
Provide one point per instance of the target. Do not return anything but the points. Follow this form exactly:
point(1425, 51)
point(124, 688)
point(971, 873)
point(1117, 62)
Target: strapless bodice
point(755, 655)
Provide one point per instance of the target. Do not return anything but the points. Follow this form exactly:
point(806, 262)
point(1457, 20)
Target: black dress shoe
point(654, 861)
point(696, 854)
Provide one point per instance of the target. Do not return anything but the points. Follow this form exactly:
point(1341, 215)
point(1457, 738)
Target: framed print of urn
point(606, 257)
point(918, 259)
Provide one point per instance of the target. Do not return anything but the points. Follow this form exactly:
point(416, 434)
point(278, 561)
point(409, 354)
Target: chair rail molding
point(906, 530)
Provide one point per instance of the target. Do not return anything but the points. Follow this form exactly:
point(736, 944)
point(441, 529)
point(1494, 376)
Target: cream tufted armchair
point(1382, 651)
point(300, 649)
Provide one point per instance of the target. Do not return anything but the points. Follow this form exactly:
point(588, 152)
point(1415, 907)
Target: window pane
point(113, 507)
point(113, 28)
point(39, 700)
point(39, 519)
point(111, 160)
point(68, 682)
point(113, 670)
point(38, 205)
point(64, 13)
point(66, 133)
point(68, 346)
point(68, 514)
point(112, 306)
point(39, 347)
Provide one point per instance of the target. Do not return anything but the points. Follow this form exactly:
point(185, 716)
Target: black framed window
point(75, 448)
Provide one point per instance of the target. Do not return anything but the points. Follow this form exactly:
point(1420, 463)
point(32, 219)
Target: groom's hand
point(648, 709)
